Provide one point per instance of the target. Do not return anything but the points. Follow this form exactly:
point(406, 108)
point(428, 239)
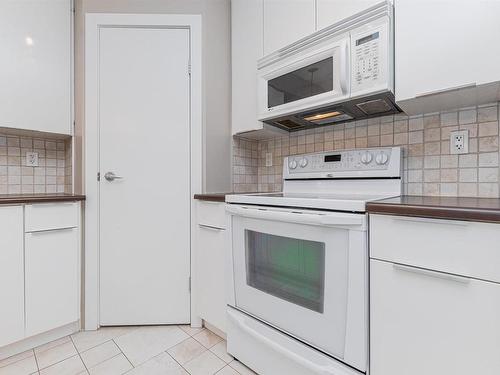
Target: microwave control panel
point(366, 57)
point(369, 50)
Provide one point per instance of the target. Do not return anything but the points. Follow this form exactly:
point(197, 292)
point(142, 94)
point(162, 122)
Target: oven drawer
point(270, 352)
point(457, 247)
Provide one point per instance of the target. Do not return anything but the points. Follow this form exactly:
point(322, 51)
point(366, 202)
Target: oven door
point(304, 272)
point(306, 80)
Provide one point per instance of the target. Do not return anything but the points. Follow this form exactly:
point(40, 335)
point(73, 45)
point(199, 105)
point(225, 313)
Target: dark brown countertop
point(39, 198)
point(468, 209)
point(217, 197)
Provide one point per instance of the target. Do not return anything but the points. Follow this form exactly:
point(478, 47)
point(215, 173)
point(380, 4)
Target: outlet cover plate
point(32, 159)
point(459, 142)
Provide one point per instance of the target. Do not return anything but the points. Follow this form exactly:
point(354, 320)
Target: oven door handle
point(327, 219)
point(313, 367)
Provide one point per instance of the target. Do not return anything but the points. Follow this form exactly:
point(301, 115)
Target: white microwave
point(344, 72)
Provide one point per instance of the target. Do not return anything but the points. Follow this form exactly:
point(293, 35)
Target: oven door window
point(302, 83)
point(287, 268)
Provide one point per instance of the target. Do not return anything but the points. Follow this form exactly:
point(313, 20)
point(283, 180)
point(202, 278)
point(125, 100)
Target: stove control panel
point(372, 162)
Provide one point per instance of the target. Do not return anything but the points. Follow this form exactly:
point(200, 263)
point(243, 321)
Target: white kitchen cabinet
point(36, 65)
point(446, 55)
point(432, 323)
point(286, 21)
point(211, 252)
point(332, 11)
point(246, 49)
point(39, 274)
point(11, 275)
point(434, 296)
point(52, 279)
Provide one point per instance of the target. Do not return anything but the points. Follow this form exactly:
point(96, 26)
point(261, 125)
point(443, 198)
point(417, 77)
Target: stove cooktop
point(334, 202)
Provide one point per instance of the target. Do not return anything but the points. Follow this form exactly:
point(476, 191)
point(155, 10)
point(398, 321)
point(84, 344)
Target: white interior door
point(144, 136)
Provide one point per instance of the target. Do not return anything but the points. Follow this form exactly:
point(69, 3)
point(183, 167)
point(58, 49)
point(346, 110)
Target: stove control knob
point(366, 157)
point(381, 158)
point(292, 164)
point(303, 162)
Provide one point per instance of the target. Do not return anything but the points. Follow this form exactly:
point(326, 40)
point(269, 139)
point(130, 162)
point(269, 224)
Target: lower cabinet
point(52, 279)
point(428, 317)
point(39, 272)
point(211, 255)
point(11, 275)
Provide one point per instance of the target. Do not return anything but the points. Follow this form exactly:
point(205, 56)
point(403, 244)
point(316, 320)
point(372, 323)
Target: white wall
point(216, 77)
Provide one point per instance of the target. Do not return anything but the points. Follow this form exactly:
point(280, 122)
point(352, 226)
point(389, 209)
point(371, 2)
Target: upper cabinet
point(286, 21)
point(332, 11)
point(446, 56)
point(246, 49)
point(36, 65)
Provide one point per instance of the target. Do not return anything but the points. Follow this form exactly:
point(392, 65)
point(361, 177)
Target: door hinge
point(189, 68)
point(189, 283)
point(98, 176)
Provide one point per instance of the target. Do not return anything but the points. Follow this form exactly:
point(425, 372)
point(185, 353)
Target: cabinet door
point(438, 45)
point(246, 49)
point(52, 279)
point(11, 275)
point(211, 258)
point(286, 21)
point(35, 67)
point(332, 11)
point(426, 322)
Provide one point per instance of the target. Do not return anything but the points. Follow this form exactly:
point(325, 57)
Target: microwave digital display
point(367, 38)
point(310, 80)
point(333, 158)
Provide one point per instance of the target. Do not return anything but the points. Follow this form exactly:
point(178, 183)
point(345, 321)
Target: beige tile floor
point(152, 350)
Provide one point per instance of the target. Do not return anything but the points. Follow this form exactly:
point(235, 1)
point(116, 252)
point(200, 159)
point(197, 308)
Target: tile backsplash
point(53, 173)
point(429, 169)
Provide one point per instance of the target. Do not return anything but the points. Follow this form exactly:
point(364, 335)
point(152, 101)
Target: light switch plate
point(269, 159)
point(32, 159)
point(459, 142)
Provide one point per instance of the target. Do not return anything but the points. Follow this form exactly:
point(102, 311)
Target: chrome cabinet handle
point(110, 176)
point(210, 227)
point(429, 273)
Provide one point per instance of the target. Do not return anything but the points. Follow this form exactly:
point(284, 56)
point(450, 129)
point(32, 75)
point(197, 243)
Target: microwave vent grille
point(373, 107)
point(289, 124)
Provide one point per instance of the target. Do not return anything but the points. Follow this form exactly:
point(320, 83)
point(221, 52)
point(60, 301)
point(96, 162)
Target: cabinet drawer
point(424, 322)
point(47, 216)
point(458, 247)
point(212, 214)
point(51, 279)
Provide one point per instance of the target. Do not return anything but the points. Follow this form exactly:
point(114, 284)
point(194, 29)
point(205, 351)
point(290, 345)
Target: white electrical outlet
point(459, 142)
point(32, 159)
point(269, 159)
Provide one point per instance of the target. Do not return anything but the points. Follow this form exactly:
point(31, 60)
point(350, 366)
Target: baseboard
point(37, 340)
point(214, 329)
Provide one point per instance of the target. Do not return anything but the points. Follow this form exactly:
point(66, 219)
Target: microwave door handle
point(304, 362)
point(344, 67)
point(330, 220)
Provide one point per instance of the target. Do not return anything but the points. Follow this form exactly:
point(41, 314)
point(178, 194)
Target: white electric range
point(298, 267)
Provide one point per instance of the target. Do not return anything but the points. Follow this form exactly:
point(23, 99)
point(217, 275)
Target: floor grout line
point(36, 361)
point(79, 355)
point(121, 351)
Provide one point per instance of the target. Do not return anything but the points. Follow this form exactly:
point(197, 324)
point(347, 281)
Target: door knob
point(110, 176)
